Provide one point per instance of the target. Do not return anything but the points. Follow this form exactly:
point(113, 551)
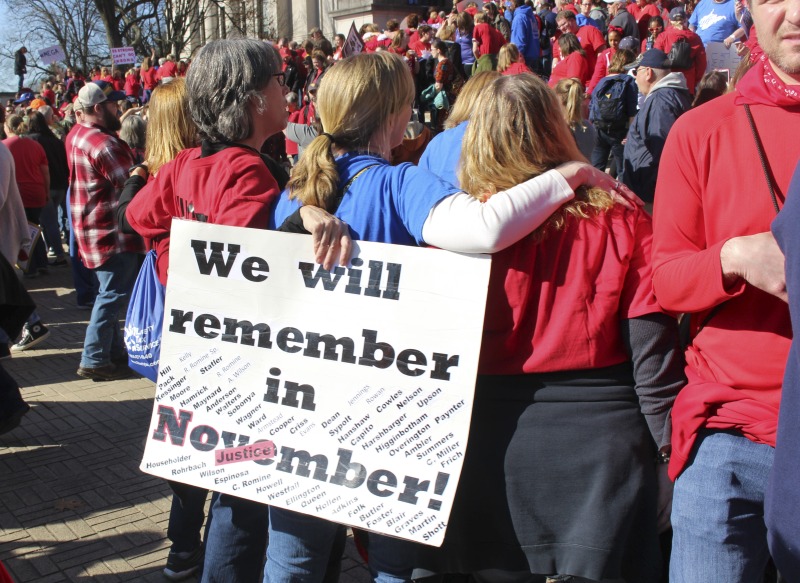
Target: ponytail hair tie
point(327, 135)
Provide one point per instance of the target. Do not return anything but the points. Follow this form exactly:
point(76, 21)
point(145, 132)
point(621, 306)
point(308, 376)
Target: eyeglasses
point(280, 78)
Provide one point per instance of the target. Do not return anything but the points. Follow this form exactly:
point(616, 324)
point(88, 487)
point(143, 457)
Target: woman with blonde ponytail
point(571, 94)
point(578, 371)
point(364, 103)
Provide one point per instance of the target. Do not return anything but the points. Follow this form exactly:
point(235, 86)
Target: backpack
point(680, 55)
point(608, 108)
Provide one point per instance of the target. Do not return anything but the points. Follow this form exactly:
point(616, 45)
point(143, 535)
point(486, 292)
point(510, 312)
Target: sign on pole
point(123, 55)
point(344, 394)
point(353, 45)
point(52, 54)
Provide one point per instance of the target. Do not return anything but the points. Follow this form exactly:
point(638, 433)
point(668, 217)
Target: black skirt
point(558, 478)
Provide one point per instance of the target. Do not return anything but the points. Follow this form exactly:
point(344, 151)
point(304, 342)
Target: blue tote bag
point(144, 320)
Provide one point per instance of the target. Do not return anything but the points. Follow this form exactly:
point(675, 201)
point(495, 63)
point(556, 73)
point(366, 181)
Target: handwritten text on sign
point(344, 394)
point(123, 55)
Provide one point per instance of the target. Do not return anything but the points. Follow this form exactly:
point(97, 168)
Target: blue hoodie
point(525, 32)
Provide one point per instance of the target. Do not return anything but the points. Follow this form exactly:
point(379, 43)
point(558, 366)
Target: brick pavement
point(73, 504)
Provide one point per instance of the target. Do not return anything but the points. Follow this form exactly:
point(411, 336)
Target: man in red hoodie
point(724, 172)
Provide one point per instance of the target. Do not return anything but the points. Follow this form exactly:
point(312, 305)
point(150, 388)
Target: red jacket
point(711, 188)
point(666, 39)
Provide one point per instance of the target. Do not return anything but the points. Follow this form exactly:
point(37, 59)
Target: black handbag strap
point(763, 158)
point(340, 194)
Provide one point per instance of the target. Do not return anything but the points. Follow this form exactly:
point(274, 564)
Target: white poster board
point(52, 54)
point(721, 58)
point(123, 55)
point(345, 394)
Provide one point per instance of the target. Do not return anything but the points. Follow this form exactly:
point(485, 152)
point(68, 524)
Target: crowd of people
point(637, 328)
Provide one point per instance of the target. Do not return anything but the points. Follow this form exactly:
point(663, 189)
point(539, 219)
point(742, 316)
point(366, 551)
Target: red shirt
point(100, 162)
point(119, 84)
point(516, 69)
point(592, 42)
point(489, 39)
point(575, 65)
point(711, 188)
point(419, 47)
point(133, 87)
point(29, 157)
point(231, 187)
point(168, 69)
point(150, 78)
point(600, 68)
point(666, 39)
point(556, 305)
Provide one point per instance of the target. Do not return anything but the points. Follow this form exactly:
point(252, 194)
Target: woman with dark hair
point(573, 61)
point(712, 85)
point(237, 100)
point(39, 131)
point(654, 28)
point(464, 26)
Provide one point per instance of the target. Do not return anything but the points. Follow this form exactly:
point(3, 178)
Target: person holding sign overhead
point(346, 170)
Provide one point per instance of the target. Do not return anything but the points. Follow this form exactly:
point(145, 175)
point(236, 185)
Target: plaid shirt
point(100, 162)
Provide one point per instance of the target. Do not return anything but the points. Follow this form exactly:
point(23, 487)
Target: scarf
point(760, 85)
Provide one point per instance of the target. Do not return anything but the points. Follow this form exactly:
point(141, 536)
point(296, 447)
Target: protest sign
point(52, 54)
point(123, 55)
point(720, 58)
point(353, 45)
point(344, 394)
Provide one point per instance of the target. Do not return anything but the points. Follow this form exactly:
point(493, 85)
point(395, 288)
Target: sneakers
point(57, 262)
point(4, 351)
point(31, 336)
point(108, 372)
point(12, 421)
point(183, 565)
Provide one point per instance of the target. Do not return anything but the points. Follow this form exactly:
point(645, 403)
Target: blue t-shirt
point(443, 153)
point(386, 204)
point(465, 42)
point(714, 21)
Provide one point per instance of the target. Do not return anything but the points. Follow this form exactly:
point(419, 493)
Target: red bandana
point(762, 86)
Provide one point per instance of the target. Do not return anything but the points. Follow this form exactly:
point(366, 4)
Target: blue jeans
point(300, 550)
point(103, 341)
point(718, 526)
point(235, 540)
point(83, 278)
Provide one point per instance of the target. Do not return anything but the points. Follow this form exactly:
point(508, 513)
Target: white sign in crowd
point(123, 55)
point(344, 394)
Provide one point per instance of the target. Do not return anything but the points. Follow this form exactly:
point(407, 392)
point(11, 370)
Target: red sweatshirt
point(711, 188)
point(232, 187)
point(666, 39)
